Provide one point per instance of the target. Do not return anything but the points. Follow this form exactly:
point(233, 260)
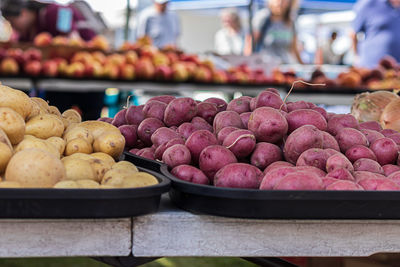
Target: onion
point(369, 106)
point(390, 118)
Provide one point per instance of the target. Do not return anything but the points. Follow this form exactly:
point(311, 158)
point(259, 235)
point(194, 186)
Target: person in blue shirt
point(379, 21)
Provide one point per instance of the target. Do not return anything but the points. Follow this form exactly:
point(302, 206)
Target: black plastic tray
point(269, 204)
point(82, 203)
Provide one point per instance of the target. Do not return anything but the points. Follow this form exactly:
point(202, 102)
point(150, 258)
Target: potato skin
point(12, 124)
point(71, 115)
point(15, 99)
point(77, 169)
point(45, 171)
point(5, 156)
point(107, 159)
point(58, 142)
point(97, 128)
point(33, 142)
point(111, 143)
point(44, 126)
point(78, 145)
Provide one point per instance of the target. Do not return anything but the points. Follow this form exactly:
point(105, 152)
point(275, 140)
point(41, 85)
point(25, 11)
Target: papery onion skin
point(390, 117)
point(369, 106)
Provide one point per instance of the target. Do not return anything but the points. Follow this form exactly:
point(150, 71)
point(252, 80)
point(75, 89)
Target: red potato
point(269, 99)
point(378, 184)
point(300, 117)
point(147, 153)
point(176, 155)
point(385, 150)
point(162, 98)
point(227, 118)
point(277, 165)
point(371, 135)
point(303, 138)
point(224, 132)
point(265, 154)
point(213, 158)
point(344, 185)
point(315, 157)
point(186, 129)
point(359, 175)
point(199, 140)
point(129, 133)
point(245, 118)
point(134, 115)
point(368, 165)
point(388, 169)
point(272, 90)
point(221, 104)
point(239, 105)
point(159, 152)
point(252, 104)
point(329, 141)
point(119, 118)
point(291, 106)
point(238, 175)
point(268, 125)
point(331, 151)
point(274, 176)
point(340, 174)
point(207, 111)
point(154, 109)
point(395, 177)
point(338, 161)
point(387, 132)
point(322, 112)
point(163, 135)
point(134, 150)
point(312, 169)
point(370, 125)
point(358, 152)
point(300, 180)
point(340, 121)
point(190, 174)
point(326, 181)
point(395, 138)
point(348, 137)
point(105, 119)
point(201, 124)
point(241, 143)
point(180, 110)
point(330, 115)
point(146, 129)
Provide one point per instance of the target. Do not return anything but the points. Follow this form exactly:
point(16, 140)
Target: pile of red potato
point(262, 143)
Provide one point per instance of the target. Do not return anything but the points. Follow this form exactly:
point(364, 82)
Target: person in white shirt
point(160, 24)
point(230, 39)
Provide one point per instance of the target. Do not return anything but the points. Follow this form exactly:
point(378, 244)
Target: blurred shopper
point(229, 40)
point(160, 24)
point(379, 21)
point(28, 18)
point(275, 33)
point(327, 54)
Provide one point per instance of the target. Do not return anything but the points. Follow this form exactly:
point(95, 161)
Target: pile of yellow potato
point(42, 148)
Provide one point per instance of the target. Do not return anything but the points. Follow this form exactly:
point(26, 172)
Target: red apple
point(99, 57)
point(111, 71)
point(180, 72)
point(131, 57)
point(239, 77)
point(99, 42)
point(33, 67)
point(75, 70)
point(76, 42)
point(203, 74)
point(173, 57)
point(17, 54)
point(116, 59)
point(144, 69)
point(83, 57)
point(220, 76)
point(127, 72)
point(60, 40)
point(50, 68)
point(94, 69)
point(9, 66)
point(32, 54)
point(43, 39)
point(148, 51)
point(163, 73)
point(3, 53)
point(61, 65)
point(160, 59)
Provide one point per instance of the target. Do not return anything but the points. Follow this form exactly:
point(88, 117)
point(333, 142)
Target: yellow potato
point(107, 159)
point(139, 179)
point(28, 136)
point(4, 138)
point(43, 105)
point(5, 156)
point(54, 110)
point(81, 156)
point(111, 143)
point(66, 184)
point(88, 184)
point(35, 168)
point(115, 177)
point(97, 128)
point(72, 115)
point(58, 142)
point(45, 126)
point(35, 110)
point(124, 165)
point(9, 184)
point(65, 122)
point(34, 142)
point(79, 132)
point(104, 186)
point(71, 126)
point(99, 167)
point(15, 99)
point(77, 169)
point(78, 145)
point(12, 124)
